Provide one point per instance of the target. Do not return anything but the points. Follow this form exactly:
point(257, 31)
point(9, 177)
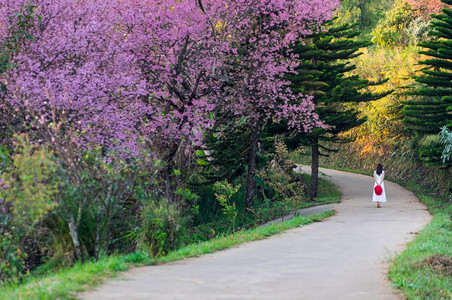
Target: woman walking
point(379, 192)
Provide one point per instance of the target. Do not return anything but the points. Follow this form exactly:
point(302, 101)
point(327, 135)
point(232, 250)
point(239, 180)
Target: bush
point(223, 193)
point(402, 26)
point(446, 141)
point(366, 13)
point(392, 30)
point(31, 184)
point(95, 205)
point(12, 259)
point(12, 262)
point(26, 198)
point(289, 188)
point(161, 228)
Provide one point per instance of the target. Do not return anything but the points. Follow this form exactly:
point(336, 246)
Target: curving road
point(344, 257)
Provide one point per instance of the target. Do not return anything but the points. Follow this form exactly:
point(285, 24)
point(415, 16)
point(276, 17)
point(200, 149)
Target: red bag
point(378, 190)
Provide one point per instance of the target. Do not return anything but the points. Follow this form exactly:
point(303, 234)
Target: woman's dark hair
point(379, 169)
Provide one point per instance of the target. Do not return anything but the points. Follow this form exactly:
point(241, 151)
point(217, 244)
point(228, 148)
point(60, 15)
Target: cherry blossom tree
point(74, 86)
point(132, 73)
point(129, 75)
point(224, 57)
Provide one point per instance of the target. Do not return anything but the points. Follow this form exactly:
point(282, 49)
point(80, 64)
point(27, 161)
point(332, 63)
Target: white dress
point(382, 197)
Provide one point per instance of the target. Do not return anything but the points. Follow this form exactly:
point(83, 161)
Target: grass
point(424, 269)
point(66, 283)
point(327, 192)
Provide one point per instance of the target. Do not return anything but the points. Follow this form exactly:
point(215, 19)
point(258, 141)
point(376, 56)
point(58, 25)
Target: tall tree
point(324, 72)
point(257, 90)
point(129, 73)
point(431, 105)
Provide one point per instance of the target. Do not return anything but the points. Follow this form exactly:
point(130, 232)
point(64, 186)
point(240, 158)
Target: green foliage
point(367, 13)
point(446, 141)
point(431, 104)
point(192, 200)
point(279, 178)
point(422, 271)
point(12, 258)
point(324, 71)
point(264, 210)
point(349, 12)
point(161, 228)
point(97, 205)
point(227, 154)
point(430, 149)
point(32, 185)
point(223, 193)
point(26, 199)
point(393, 30)
point(5, 158)
point(105, 187)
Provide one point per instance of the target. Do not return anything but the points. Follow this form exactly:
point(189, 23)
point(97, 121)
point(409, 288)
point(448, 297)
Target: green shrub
point(446, 141)
point(161, 228)
point(12, 259)
point(289, 188)
point(95, 205)
point(400, 27)
point(32, 185)
point(27, 189)
point(223, 193)
point(366, 13)
point(392, 30)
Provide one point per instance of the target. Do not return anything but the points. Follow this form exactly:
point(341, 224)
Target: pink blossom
point(113, 73)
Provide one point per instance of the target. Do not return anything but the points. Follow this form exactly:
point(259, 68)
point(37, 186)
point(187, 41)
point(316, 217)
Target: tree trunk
point(75, 238)
point(250, 183)
point(97, 241)
point(168, 183)
point(314, 168)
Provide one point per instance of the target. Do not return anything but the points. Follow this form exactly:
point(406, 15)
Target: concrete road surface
point(345, 257)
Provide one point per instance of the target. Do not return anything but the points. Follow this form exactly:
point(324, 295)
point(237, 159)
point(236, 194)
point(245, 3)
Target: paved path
point(344, 257)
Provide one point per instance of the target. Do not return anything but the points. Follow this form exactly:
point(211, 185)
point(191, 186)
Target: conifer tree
point(431, 105)
point(324, 73)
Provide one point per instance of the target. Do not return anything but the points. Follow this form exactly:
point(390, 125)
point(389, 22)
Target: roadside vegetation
point(141, 134)
point(424, 269)
point(82, 276)
point(125, 128)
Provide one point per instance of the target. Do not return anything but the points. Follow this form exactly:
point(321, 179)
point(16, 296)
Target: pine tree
point(431, 106)
point(324, 72)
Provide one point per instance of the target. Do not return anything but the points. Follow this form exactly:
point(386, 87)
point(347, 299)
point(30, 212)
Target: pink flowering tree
point(130, 75)
point(74, 87)
point(224, 57)
point(260, 58)
point(74, 79)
